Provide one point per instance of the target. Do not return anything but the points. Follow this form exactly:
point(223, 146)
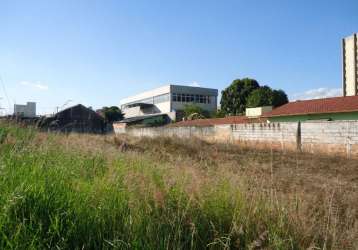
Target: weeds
point(92, 192)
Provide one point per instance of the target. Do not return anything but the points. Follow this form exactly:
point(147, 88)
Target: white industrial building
point(350, 65)
point(170, 100)
point(28, 110)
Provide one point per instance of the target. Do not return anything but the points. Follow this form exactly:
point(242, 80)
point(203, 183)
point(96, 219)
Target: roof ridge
point(337, 104)
point(325, 98)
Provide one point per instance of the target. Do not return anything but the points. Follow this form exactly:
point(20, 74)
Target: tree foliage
point(279, 98)
point(265, 96)
point(234, 97)
point(112, 114)
point(260, 97)
point(245, 93)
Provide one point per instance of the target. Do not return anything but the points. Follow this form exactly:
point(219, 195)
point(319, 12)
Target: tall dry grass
point(104, 192)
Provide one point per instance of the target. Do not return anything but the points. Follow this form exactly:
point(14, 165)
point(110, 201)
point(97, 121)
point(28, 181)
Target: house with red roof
point(329, 109)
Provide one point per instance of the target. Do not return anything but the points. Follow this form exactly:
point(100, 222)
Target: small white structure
point(28, 110)
point(257, 112)
point(170, 100)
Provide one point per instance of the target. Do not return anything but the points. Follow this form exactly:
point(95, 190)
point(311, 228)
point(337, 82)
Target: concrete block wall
point(330, 132)
point(276, 135)
point(331, 137)
point(266, 132)
point(223, 133)
point(182, 132)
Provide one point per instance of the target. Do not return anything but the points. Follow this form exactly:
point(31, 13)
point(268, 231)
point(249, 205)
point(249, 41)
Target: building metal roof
point(342, 104)
point(218, 121)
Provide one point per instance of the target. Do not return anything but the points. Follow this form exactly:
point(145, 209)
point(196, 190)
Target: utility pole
point(1, 109)
point(66, 103)
point(58, 108)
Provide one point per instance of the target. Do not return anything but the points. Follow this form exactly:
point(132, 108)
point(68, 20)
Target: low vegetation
point(104, 192)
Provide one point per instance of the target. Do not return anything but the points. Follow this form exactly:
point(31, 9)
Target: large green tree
point(265, 96)
point(279, 98)
point(112, 114)
point(234, 97)
point(245, 93)
point(260, 97)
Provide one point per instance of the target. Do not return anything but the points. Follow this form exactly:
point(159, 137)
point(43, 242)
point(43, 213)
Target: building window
point(161, 98)
point(191, 98)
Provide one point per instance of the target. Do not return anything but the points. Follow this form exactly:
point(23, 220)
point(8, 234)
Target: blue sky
point(97, 52)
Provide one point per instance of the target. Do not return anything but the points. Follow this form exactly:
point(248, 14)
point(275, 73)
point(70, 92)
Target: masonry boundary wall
point(329, 137)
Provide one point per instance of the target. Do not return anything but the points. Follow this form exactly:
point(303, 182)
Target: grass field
point(102, 192)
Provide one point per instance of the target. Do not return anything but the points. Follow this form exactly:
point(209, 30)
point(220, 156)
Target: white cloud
point(195, 84)
point(318, 93)
point(36, 85)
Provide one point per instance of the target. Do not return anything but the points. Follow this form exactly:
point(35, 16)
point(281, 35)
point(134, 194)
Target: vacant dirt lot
point(320, 192)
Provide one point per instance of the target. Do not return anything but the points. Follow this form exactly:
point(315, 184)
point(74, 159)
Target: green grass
point(59, 196)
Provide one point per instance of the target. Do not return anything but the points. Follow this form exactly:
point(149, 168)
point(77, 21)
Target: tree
point(112, 114)
point(192, 110)
point(279, 98)
point(260, 97)
point(243, 93)
point(234, 97)
point(265, 96)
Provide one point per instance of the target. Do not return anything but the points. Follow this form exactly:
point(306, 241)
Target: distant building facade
point(170, 100)
point(350, 65)
point(28, 110)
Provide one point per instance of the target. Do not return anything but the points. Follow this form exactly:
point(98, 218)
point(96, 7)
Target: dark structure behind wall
point(79, 119)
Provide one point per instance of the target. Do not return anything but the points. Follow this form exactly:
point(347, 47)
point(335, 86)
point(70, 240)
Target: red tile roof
point(317, 106)
point(218, 121)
